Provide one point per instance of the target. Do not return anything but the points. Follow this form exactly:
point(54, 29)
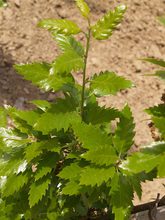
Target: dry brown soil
point(140, 35)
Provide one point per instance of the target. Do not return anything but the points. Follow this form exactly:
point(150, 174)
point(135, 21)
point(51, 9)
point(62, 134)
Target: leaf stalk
point(88, 36)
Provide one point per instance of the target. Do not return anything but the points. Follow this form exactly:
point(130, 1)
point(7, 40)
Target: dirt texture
point(140, 35)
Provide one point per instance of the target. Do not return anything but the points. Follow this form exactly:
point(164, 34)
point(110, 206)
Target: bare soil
point(140, 35)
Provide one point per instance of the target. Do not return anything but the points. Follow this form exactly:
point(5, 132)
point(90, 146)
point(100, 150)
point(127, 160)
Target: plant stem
point(88, 35)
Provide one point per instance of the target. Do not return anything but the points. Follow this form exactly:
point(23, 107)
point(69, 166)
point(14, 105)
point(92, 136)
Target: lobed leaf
point(60, 26)
point(159, 123)
point(124, 134)
point(14, 183)
point(108, 83)
point(95, 114)
point(121, 193)
point(70, 172)
point(103, 155)
point(68, 43)
point(103, 29)
point(46, 165)
point(92, 176)
point(71, 188)
point(157, 111)
point(67, 62)
point(35, 149)
point(96, 138)
point(44, 76)
point(38, 190)
point(84, 9)
point(49, 121)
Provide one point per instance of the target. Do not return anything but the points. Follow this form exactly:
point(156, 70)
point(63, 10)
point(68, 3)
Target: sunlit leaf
point(103, 29)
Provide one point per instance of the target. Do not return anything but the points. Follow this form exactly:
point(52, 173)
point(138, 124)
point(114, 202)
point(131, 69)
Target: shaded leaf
point(159, 122)
point(121, 197)
point(60, 26)
point(14, 183)
point(108, 83)
point(46, 165)
point(38, 190)
point(70, 172)
point(36, 149)
point(98, 115)
point(158, 111)
point(84, 9)
point(124, 134)
point(103, 29)
point(71, 188)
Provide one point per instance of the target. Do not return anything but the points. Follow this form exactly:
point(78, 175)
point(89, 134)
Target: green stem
point(88, 35)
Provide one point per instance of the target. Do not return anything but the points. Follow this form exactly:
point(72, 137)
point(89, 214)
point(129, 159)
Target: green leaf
point(92, 176)
point(157, 111)
point(44, 76)
point(3, 3)
point(161, 74)
point(71, 188)
point(103, 155)
point(162, 19)
point(41, 104)
point(3, 117)
point(68, 43)
point(14, 183)
point(49, 122)
point(124, 134)
point(46, 165)
point(35, 72)
point(36, 149)
point(38, 190)
point(161, 170)
point(121, 197)
point(67, 62)
point(12, 139)
point(60, 26)
point(84, 9)
point(98, 115)
point(108, 83)
point(158, 62)
point(60, 116)
point(103, 29)
point(160, 124)
point(96, 137)
point(145, 160)
point(70, 172)
point(29, 116)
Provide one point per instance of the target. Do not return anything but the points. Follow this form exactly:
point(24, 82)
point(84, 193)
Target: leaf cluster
point(57, 163)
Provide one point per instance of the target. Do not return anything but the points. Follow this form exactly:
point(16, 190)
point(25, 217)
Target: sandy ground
point(140, 35)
